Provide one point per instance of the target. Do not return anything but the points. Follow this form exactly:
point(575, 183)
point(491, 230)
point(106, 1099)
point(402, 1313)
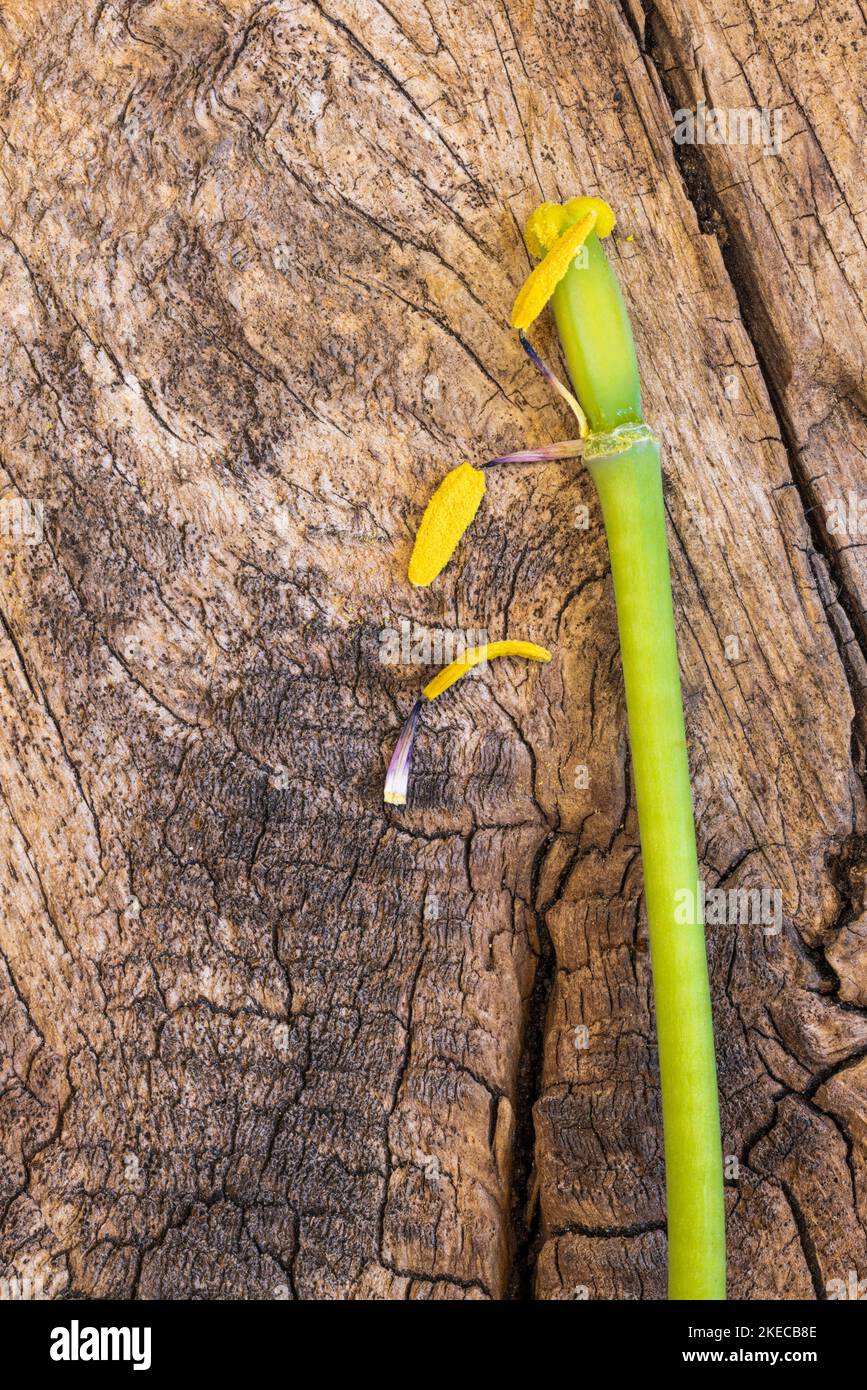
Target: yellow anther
point(544, 226)
point(554, 234)
point(446, 518)
point(546, 276)
point(576, 208)
point(475, 656)
point(551, 220)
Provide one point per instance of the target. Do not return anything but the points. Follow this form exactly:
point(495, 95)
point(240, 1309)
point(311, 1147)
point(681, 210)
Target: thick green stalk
point(597, 339)
point(623, 459)
point(629, 484)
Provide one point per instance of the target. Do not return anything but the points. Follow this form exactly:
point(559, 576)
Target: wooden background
point(261, 1038)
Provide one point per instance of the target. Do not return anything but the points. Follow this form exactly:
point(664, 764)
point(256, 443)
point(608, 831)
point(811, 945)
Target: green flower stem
point(629, 484)
point(597, 341)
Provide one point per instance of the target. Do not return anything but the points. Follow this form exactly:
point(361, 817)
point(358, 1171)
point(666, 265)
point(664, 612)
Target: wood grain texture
point(260, 1037)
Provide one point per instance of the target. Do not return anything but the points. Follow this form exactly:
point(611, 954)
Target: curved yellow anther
point(446, 518)
point(475, 656)
point(546, 276)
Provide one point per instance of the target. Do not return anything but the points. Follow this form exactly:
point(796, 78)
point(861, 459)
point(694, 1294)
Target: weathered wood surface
point(261, 1039)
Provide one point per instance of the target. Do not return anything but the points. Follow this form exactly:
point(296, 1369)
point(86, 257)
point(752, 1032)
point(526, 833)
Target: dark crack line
point(699, 189)
point(527, 1091)
point(811, 1258)
point(712, 220)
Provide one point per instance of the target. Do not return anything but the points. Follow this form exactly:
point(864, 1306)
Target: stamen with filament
point(546, 453)
point(556, 383)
